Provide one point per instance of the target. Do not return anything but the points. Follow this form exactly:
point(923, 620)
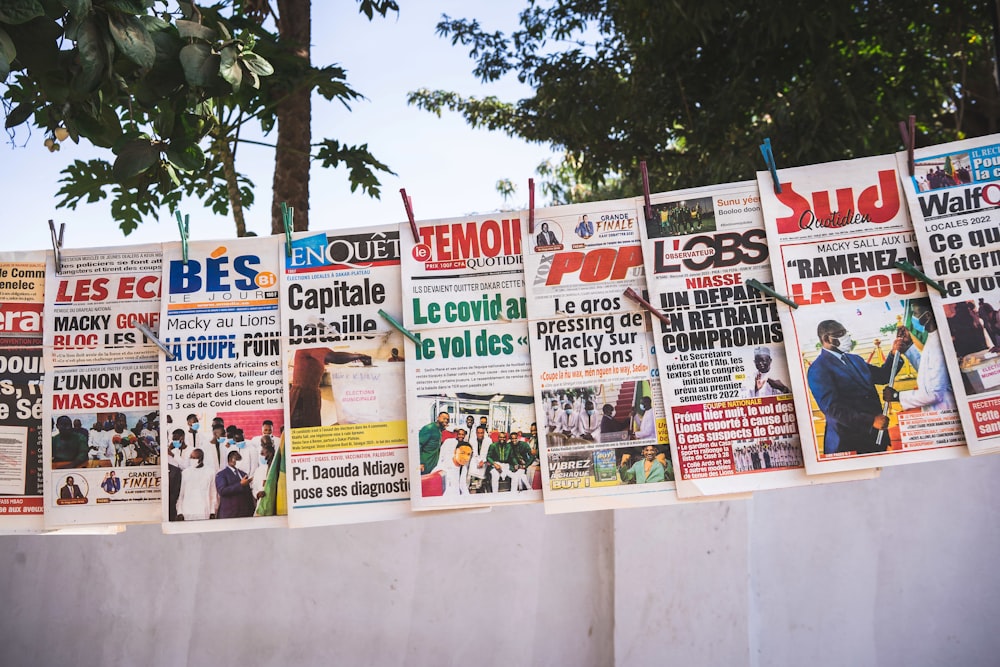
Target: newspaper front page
point(835, 233)
point(22, 290)
point(102, 436)
point(954, 200)
point(344, 365)
point(601, 429)
point(722, 364)
point(463, 297)
point(222, 393)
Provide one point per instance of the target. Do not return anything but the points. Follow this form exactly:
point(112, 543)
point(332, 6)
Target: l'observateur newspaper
point(871, 381)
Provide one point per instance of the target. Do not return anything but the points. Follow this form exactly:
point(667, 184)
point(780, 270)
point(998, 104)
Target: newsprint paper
point(854, 348)
point(463, 297)
point(102, 387)
point(346, 404)
point(730, 408)
point(223, 391)
point(602, 432)
point(954, 199)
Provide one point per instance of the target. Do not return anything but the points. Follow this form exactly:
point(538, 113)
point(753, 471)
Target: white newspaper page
point(730, 409)
point(22, 290)
point(344, 363)
point(601, 429)
point(463, 297)
point(835, 233)
point(223, 393)
point(954, 199)
point(102, 462)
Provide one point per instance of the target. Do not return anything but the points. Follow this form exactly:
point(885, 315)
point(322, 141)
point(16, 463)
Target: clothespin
point(645, 189)
point(764, 289)
point(183, 226)
point(148, 333)
point(57, 242)
point(632, 294)
point(908, 130)
point(389, 318)
point(531, 206)
point(765, 149)
point(408, 204)
point(906, 267)
point(288, 217)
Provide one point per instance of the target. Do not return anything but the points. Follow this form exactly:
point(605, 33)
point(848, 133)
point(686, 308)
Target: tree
point(693, 87)
point(168, 92)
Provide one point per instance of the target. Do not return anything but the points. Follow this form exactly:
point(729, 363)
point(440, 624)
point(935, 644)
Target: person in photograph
point(196, 498)
point(646, 428)
point(111, 484)
point(394, 355)
point(546, 237)
point(69, 448)
point(608, 422)
point(967, 331)
point(70, 490)
point(430, 438)
point(266, 458)
point(762, 384)
point(233, 487)
point(173, 488)
point(933, 390)
point(585, 228)
point(178, 453)
point(843, 385)
point(504, 465)
point(644, 471)
point(480, 444)
point(588, 424)
point(454, 467)
point(305, 397)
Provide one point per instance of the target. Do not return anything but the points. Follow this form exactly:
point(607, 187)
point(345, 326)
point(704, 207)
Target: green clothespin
point(183, 226)
point(389, 318)
point(906, 267)
point(288, 217)
point(761, 287)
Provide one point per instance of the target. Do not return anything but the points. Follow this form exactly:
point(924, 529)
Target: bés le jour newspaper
point(601, 434)
point(954, 200)
point(346, 405)
point(857, 347)
point(102, 435)
point(730, 409)
point(22, 290)
point(222, 404)
point(463, 298)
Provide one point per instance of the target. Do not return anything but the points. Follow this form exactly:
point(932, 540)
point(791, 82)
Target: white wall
point(901, 570)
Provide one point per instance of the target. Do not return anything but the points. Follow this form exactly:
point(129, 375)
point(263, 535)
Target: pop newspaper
point(835, 233)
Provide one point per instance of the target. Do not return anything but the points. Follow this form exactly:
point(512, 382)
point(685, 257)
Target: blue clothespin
point(399, 327)
point(183, 226)
point(57, 242)
point(764, 289)
point(288, 216)
point(765, 149)
point(148, 333)
point(906, 267)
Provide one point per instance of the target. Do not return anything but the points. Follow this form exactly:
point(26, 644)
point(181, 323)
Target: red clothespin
point(531, 206)
point(408, 204)
point(645, 189)
point(908, 130)
point(632, 294)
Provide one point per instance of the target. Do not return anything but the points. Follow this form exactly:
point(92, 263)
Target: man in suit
point(585, 228)
point(843, 385)
point(546, 237)
point(233, 486)
point(70, 490)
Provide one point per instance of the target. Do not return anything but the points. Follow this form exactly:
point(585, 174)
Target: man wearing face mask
point(196, 500)
point(179, 454)
point(233, 487)
point(933, 390)
point(647, 420)
point(843, 385)
point(589, 423)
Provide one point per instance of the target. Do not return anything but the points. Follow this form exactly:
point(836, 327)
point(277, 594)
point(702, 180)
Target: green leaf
point(229, 67)
point(18, 115)
point(135, 7)
point(201, 66)
point(134, 158)
point(7, 54)
point(256, 64)
point(194, 30)
point(172, 174)
point(93, 58)
point(188, 157)
point(133, 40)
point(16, 12)
point(80, 7)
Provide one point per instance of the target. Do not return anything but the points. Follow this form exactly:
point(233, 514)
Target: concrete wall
point(900, 570)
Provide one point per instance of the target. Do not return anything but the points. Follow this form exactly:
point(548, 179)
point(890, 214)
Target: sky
point(448, 169)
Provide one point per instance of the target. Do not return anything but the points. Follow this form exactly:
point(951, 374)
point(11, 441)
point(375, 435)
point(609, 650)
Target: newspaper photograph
point(602, 435)
point(954, 200)
point(464, 301)
point(222, 421)
point(344, 370)
point(22, 300)
point(858, 353)
point(102, 436)
point(730, 409)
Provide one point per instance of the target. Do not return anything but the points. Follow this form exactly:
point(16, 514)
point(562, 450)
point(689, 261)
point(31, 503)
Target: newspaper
point(954, 199)
point(102, 435)
point(223, 415)
point(835, 233)
point(602, 432)
point(22, 289)
point(730, 414)
point(463, 298)
point(346, 406)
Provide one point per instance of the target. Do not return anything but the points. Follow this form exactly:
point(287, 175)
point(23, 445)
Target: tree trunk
point(291, 162)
